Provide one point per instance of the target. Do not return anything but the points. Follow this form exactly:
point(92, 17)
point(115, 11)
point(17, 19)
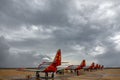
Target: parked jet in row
point(93, 67)
point(76, 67)
point(89, 68)
point(47, 67)
point(52, 67)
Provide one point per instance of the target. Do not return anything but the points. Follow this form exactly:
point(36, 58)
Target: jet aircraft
point(47, 67)
point(89, 68)
point(76, 67)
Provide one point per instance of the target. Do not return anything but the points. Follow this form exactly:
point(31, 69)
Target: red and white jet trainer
point(76, 67)
point(89, 68)
point(47, 67)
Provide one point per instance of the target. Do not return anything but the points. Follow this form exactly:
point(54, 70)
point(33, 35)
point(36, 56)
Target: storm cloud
point(81, 29)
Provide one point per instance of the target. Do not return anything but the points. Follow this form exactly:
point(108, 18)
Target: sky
point(31, 31)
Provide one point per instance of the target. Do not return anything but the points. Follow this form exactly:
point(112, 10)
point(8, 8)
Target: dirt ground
point(106, 74)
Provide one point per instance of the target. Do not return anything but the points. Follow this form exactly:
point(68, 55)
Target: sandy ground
point(106, 74)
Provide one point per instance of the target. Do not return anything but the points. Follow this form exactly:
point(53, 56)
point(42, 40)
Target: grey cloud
point(87, 26)
point(110, 58)
point(4, 50)
point(17, 13)
point(18, 59)
point(25, 60)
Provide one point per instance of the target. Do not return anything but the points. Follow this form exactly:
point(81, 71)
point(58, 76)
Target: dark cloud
point(18, 59)
point(76, 27)
point(16, 13)
point(109, 59)
point(4, 50)
point(25, 60)
point(110, 56)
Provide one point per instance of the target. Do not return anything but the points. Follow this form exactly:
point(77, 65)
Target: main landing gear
point(46, 76)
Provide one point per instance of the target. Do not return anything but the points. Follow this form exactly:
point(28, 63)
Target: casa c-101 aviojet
point(47, 67)
point(76, 67)
point(89, 68)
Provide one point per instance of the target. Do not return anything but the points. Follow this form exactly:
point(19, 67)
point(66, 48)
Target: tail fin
point(92, 65)
point(97, 66)
point(57, 59)
point(83, 63)
point(102, 66)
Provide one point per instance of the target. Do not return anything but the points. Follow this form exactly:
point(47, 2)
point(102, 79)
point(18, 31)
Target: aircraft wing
point(34, 70)
point(72, 67)
point(86, 67)
point(64, 65)
point(41, 69)
point(61, 67)
point(48, 63)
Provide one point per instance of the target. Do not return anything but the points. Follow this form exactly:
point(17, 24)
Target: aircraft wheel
point(52, 75)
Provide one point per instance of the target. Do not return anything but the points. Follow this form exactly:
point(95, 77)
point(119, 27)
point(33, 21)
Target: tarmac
point(106, 74)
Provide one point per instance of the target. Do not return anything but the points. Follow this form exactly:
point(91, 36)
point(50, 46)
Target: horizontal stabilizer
point(64, 62)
